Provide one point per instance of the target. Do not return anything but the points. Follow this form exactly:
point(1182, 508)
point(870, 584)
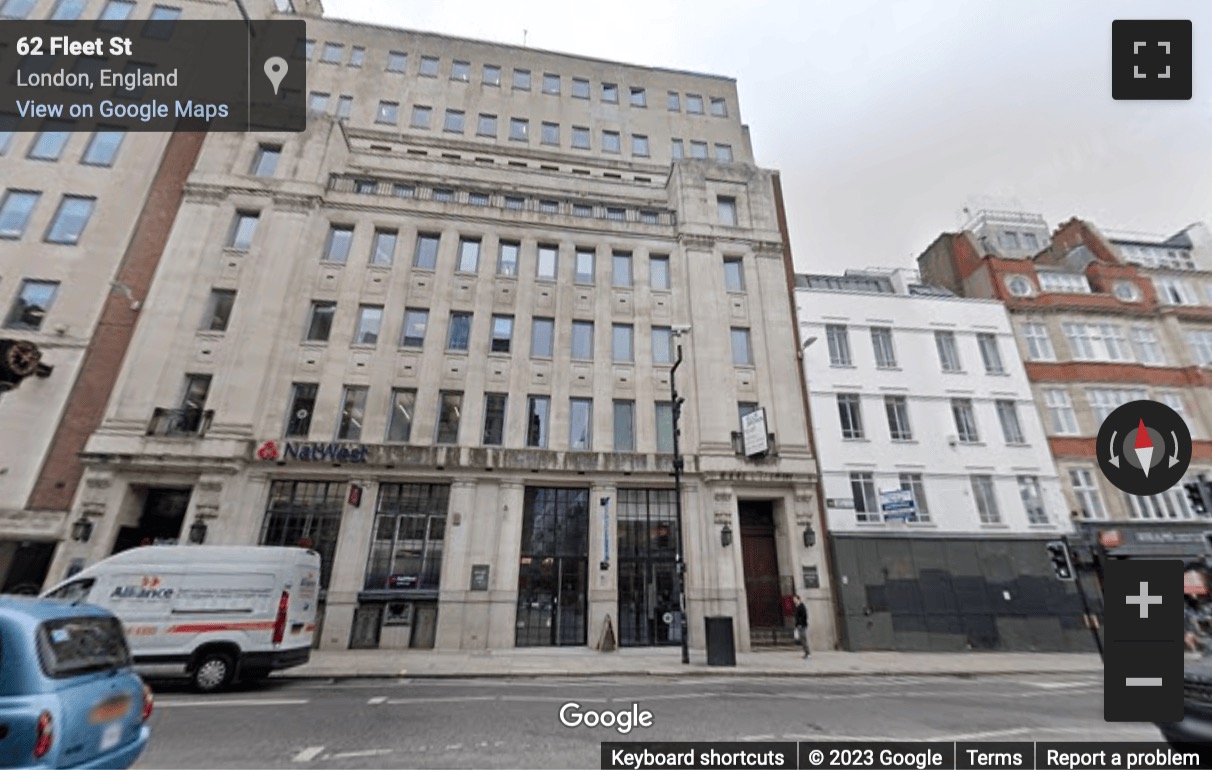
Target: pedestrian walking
point(801, 623)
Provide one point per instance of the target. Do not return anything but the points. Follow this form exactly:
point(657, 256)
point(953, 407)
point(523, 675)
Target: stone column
point(461, 522)
point(603, 583)
point(503, 580)
point(349, 566)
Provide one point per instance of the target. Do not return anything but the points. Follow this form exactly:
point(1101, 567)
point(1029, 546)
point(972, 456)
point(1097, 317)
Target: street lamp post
point(677, 492)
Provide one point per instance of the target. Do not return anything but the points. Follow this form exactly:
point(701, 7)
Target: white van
point(209, 612)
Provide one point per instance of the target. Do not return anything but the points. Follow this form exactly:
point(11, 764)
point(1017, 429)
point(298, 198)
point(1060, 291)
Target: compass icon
point(1144, 448)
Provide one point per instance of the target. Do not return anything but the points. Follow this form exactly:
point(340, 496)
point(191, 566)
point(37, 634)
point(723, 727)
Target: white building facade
point(913, 390)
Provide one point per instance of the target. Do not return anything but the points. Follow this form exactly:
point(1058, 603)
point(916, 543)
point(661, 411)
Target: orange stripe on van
point(206, 628)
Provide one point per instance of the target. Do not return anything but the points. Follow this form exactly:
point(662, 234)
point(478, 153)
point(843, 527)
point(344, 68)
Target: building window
point(502, 334)
point(70, 219)
point(459, 336)
point(450, 408)
point(421, 116)
point(494, 419)
point(1012, 429)
point(986, 499)
point(991, 355)
point(723, 153)
point(515, 203)
point(1200, 342)
point(694, 104)
point(1063, 283)
point(1147, 346)
point(429, 66)
point(51, 140)
point(521, 80)
point(1167, 505)
point(551, 84)
point(948, 353)
point(115, 12)
point(357, 56)
point(415, 323)
point(639, 145)
point(519, 129)
point(673, 102)
point(1033, 499)
point(611, 142)
point(218, 310)
point(426, 256)
point(897, 408)
point(742, 352)
point(400, 190)
point(383, 247)
point(1061, 416)
point(582, 340)
point(370, 323)
point(553, 207)
point(454, 122)
point(1175, 401)
point(306, 512)
point(549, 133)
point(487, 125)
point(547, 262)
point(65, 10)
point(538, 421)
point(662, 345)
point(399, 422)
point(1104, 401)
point(1173, 291)
point(1085, 491)
point(866, 504)
point(881, 343)
point(1097, 342)
point(507, 258)
point(620, 269)
point(302, 406)
point(409, 537)
point(265, 162)
point(317, 102)
point(32, 304)
point(838, 337)
point(658, 272)
point(698, 149)
point(578, 209)
point(397, 61)
point(584, 266)
point(491, 75)
point(336, 248)
point(639, 97)
point(622, 343)
point(610, 93)
point(460, 71)
point(624, 426)
point(1039, 342)
point(319, 321)
point(580, 88)
point(850, 410)
point(727, 211)
point(965, 420)
point(677, 149)
point(469, 256)
point(8, 123)
point(580, 424)
point(15, 211)
point(353, 413)
point(734, 274)
point(542, 336)
point(580, 138)
point(719, 108)
point(912, 482)
point(616, 214)
point(664, 427)
point(104, 144)
point(332, 53)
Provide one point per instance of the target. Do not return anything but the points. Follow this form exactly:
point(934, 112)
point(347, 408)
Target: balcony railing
point(180, 422)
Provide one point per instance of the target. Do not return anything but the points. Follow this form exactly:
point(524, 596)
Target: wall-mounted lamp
point(197, 532)
point(726, 536)
point(82, 530)
point(809, 536)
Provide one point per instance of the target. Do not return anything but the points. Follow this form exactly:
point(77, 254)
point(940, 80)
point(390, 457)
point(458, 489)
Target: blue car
point(68, 695)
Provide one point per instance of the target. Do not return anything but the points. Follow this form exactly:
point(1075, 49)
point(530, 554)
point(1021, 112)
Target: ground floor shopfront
point(415, 558)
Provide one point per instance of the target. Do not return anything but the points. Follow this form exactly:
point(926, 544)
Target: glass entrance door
point(553, 574)
point(648, 599)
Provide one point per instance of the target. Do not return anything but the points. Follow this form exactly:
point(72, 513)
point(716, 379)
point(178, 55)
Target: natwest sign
point(313, 452)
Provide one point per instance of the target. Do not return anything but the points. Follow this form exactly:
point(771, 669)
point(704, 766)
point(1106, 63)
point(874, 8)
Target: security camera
point(680, 328)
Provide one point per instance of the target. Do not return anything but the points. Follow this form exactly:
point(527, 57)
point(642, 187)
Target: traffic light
point(1062, 562)
point(1200, 495)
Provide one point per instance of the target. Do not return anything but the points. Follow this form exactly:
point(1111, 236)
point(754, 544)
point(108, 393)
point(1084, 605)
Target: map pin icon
point(275, 70)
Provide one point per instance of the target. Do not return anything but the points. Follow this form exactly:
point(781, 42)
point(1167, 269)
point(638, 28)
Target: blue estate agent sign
point(318, 452)
point(898, 504)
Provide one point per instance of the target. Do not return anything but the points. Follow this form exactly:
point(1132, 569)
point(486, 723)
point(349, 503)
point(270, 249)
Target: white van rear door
point(301, 626)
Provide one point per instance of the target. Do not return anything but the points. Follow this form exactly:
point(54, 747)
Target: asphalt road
point(458, 723)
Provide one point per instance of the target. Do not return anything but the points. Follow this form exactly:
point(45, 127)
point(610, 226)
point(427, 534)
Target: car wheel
point(213, 672)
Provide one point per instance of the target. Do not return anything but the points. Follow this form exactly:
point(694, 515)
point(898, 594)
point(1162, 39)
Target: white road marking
point(549, 699)
point(1086, 730)
point(984, 735)
point(465, 699)
point(756, 738)
point(678, 696)
point(377, 700)
point(240, 702)
point(454, 747)
point(308, 754)
point(366, 753)
point(1058, 685)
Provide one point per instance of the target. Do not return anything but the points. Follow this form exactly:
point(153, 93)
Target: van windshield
point(75, 591)
point(70, 647)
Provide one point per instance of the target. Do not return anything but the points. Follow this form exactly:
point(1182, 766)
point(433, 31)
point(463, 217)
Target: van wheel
point(213, 672)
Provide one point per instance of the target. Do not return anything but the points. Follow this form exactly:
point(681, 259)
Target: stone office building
point(433, 337)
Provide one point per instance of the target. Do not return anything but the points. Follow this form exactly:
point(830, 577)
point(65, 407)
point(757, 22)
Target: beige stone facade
point(452, 468)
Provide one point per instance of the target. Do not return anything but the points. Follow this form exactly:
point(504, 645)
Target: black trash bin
point(720, 649)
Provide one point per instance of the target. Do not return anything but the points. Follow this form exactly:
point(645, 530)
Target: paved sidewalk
point(581, 662)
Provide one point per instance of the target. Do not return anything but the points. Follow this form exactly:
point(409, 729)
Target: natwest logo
point(315, 452)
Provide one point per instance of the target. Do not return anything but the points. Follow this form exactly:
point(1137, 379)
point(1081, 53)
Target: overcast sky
point(887, 118)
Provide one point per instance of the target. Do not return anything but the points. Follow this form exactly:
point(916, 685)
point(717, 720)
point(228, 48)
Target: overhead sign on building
point(898, 504)
point(754, 435)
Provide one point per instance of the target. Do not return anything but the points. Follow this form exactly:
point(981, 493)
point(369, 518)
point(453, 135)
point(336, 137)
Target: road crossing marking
point(377, 700)
point(308, 754)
